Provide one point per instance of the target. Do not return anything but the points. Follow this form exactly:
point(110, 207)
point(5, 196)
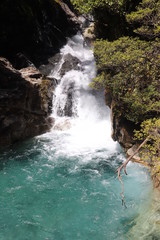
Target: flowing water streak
point(90, 116)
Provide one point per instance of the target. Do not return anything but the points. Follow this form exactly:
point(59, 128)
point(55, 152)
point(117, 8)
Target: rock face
point(25, 103)
point(31, 32)
point(89, 35)
point(122, 129)
point(35, 28)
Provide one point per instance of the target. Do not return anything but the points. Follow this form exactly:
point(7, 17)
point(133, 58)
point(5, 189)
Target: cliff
point(34, 28)
point(25, 103)
point(31, 31)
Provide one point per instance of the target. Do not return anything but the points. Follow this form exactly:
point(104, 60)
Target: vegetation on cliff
point(128, 64)
point(150, 152)
point(90, 5)
point(146, 20)
point(130, 68)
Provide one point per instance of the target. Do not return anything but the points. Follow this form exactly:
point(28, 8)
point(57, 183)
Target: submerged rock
point(25, 103)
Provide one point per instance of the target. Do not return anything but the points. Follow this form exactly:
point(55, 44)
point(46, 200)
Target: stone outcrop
point(89, 35)
point(122, 129)
point(70, 63)
point(31, 32)
point(123, 132)
point(25, 103)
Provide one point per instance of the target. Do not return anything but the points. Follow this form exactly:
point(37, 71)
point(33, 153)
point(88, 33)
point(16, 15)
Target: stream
point(62, 185)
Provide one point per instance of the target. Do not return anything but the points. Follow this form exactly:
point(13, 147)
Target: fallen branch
point(123, 166)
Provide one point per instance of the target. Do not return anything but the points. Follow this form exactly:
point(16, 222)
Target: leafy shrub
point(88, 6)
point(146, 19)
point(130, 68)
point(151, 150)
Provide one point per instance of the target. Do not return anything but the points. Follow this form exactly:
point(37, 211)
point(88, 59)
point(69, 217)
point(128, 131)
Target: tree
point(88, 6)
point(129, 67)
point(146, 19)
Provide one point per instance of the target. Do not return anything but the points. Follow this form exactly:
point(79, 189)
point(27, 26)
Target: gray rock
point(46, 69)
point(70, 63)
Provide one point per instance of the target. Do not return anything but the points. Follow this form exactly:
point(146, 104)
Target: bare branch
point(123, 166)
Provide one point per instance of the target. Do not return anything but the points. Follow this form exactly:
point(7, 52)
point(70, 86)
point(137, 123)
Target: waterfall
point(78, 109)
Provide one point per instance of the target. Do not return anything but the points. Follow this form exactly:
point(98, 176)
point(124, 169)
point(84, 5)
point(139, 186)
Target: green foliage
point(151, 150)
point(130, 68)
point(88, 6)
point(146, 20)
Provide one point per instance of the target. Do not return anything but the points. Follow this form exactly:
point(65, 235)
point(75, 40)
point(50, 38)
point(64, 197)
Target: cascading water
point(77, 107)
point(62, 185)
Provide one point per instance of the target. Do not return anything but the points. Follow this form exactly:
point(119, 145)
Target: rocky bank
point(25, 103)
point(31, 32)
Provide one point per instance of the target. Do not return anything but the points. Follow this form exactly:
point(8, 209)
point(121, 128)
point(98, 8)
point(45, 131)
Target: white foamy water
point(85, 126)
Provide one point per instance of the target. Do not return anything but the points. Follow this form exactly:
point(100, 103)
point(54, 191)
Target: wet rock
point(69, 106)
point(25, 103)
point(62, 126)
point(46, 69)
point(122, 129)
point(89, 35)
point(70, 63)
point(54, 81)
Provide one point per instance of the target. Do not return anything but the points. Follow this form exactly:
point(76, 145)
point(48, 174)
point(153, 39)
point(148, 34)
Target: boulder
point(63, 125)
point(89, 35)
point(70, 63)
point(122, 129)
point(46, 69)
point(25, 103)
